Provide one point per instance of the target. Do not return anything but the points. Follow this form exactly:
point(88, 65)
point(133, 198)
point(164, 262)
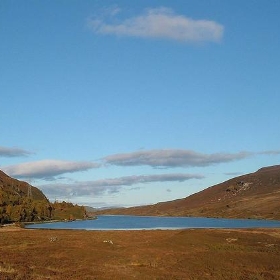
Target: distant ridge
point(270, 168)
point(254, 195)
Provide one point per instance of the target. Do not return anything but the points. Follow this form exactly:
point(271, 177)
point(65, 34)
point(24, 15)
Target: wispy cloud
point(47, 169)
point(112, 185)
point(172, 158)
point(13, 152)
point(78, 189)
point(270, 152)
point(111, 10)
point(233, 173)
point(161, 23)
point(137, 179)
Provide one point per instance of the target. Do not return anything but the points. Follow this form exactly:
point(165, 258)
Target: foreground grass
point(158, 254)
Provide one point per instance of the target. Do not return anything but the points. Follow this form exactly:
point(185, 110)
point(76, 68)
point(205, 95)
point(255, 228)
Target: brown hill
point(21, 202)
point(255, 195)
point(18, 188)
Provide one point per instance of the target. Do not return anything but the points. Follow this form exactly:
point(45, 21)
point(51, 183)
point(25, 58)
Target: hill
point(21, 202)
point(255, 195)
point(14, 187)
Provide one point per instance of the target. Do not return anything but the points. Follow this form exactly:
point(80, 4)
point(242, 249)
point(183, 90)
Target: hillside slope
point(255, 195)
point(19, 188)
point(21, 202)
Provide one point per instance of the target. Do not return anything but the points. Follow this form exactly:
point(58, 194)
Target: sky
point(124, 103)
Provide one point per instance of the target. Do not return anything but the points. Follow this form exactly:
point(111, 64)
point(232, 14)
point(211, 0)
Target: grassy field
point(157, 254)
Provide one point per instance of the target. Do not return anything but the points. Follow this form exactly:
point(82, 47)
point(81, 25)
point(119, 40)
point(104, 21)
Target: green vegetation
point(67, 211)
point(17, 206)
point(24, 209)
point(21, 202)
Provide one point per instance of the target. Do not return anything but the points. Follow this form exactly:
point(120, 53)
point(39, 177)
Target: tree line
point(15, 208)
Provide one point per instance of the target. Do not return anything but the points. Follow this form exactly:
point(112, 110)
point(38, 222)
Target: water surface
point(118, 222)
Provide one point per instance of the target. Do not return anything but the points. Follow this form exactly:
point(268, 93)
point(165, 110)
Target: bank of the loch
point(156, 254)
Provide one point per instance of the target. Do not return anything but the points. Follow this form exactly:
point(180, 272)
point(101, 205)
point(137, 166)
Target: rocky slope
point(255, 195)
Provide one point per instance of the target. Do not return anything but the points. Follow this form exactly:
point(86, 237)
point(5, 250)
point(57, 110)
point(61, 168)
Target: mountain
point(255, 195)
point(21, 202)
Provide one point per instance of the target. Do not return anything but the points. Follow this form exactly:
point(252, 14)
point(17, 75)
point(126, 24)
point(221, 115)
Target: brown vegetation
point(255, 195)
point(179, 254)
point(157, 254)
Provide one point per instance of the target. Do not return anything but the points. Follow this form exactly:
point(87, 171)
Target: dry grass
point(183, 254)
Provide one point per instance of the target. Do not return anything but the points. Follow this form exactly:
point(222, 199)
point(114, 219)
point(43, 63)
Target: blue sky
point(121, 103)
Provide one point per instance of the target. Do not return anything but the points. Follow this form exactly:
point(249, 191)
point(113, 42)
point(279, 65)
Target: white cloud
point(13, 152)
point(47, 168)
point(172, 158)
point(162, 23)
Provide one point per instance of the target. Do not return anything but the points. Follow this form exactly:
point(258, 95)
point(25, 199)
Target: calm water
point(142, 223)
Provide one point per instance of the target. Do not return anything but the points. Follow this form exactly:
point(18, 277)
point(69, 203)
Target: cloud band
point(172, 158)
point(113, 185)
point(13, 152)
point(48, 168)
